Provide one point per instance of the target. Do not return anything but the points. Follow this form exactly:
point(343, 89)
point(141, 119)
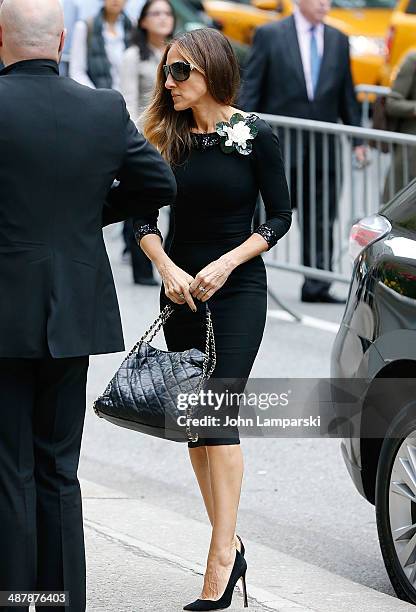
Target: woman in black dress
point(221, 159)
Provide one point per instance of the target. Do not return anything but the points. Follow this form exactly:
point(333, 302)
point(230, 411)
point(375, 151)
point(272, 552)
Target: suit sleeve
point(145, 180)
point(398, 103)
point(254, 73)
point(273, 186)
point(349, 109)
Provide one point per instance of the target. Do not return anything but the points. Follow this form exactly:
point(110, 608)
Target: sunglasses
point(159, 14)
point(180, 71)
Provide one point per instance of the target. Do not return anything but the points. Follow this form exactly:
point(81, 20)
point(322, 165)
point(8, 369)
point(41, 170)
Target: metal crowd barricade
point(367, 95)
point(358, 189)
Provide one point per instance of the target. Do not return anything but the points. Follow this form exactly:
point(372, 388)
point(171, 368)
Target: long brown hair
point(212, 55)
point(140, 36)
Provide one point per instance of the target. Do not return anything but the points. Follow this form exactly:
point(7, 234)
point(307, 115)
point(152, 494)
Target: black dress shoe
point(145, 280)
point(238, 571)
point(324, 298)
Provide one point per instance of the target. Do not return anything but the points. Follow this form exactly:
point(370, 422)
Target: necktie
point(315, 59)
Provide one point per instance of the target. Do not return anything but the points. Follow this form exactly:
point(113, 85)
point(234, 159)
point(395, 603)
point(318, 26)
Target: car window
point(411, 7)
point(402, 208)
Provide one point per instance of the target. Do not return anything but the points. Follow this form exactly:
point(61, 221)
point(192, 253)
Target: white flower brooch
point(236, 134)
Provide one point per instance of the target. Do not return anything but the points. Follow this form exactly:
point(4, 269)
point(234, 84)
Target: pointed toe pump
point(238, 571)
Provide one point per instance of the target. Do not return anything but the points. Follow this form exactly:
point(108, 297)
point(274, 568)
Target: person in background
point(300, 67)
point(75, 10)
point(401, 107)
point(98, 46)
point(155, 27)
point(89, 8)
point(71, 16)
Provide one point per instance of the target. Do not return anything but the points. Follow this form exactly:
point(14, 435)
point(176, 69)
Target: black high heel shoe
point(238, 571)
point(243, 550)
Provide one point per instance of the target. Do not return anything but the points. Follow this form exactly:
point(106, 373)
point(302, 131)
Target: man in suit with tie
point(300, 67)
point(62, 147)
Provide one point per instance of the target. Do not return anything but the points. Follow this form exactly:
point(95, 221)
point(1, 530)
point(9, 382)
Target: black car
point(376, 345)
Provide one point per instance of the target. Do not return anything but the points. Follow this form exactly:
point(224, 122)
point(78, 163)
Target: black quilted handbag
point(143, 393)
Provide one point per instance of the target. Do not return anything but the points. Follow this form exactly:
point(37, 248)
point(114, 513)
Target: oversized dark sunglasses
point(180, 71)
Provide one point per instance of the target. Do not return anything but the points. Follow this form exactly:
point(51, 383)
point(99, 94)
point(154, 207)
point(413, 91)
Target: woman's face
point(114, 7)
point(189, 93)
point(159, 19)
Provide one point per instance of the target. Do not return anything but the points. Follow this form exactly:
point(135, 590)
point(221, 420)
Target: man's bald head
point(31, 29)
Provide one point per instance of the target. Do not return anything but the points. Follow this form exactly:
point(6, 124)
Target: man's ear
point(62, 42)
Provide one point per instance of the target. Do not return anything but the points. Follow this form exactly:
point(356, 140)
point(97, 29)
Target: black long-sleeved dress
point(213, 211)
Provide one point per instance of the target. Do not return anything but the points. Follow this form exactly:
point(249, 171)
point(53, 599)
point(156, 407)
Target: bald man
point(61, 147)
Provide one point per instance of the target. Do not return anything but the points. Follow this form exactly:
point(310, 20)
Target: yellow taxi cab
point(400, 40)
point(364, 21)
point(238, 20)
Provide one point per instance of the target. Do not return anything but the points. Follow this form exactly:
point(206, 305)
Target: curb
point(275, 581)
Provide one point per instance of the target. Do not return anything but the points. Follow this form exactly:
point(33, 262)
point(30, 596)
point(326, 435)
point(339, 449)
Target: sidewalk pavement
point(142, 557)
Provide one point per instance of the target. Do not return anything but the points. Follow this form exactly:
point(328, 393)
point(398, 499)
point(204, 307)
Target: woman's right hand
point(176, 283)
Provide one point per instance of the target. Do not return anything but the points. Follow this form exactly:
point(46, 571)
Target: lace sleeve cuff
point(143, 230)
point(267, 233)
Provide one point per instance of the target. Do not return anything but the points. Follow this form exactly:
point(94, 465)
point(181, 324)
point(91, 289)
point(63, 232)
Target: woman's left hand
point(211, 278)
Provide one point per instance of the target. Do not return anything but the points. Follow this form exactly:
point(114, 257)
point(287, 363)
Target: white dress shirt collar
point(303, 31)
point(304, 26)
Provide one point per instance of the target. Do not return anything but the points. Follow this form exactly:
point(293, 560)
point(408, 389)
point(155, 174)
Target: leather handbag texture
point(143, 394)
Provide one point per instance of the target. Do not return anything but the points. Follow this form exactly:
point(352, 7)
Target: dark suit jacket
point(274, 83)
point(273, 80)
point(61, 147)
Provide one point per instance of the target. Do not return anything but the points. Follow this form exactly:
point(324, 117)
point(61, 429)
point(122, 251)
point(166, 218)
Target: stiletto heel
point(238, 571)
point(243, 582)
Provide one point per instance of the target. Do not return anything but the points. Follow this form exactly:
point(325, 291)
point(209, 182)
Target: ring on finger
point(205, 294)
point(202, 289)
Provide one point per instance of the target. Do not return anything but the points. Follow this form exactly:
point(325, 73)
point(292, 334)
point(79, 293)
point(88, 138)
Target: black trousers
point(313, 287)
point(42, 410)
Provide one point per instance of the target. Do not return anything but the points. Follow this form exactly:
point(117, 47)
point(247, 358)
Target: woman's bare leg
point(225, 464)
point(200, 464)
point(199, 460)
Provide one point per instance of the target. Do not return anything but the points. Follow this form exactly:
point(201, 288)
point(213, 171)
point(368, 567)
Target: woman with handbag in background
point(221, 159)
point(155, 26)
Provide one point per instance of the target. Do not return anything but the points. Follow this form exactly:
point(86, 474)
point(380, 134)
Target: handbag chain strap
point(210, 359)
point(157, 324)
point(210, 353)
point(208, 367)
